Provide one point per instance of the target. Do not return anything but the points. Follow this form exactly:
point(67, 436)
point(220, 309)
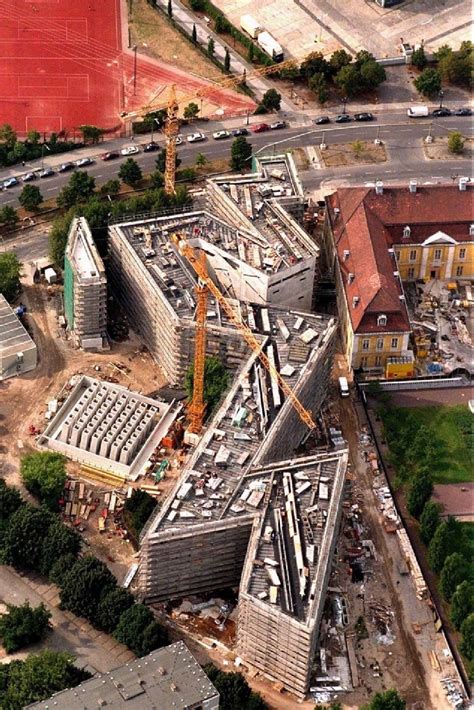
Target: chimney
point(413, 185)
point(463, 183)
point(379, 187)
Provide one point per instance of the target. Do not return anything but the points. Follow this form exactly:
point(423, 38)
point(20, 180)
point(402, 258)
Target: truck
point(270, 46)
point(250, 26)
point(343, 387)
point(418, 112)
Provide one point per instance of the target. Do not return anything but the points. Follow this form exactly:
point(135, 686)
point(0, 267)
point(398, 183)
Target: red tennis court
point(62, 65)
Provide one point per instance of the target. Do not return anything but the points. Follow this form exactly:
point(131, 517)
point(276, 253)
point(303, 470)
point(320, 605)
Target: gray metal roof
point(13, 336)
point(169, 679)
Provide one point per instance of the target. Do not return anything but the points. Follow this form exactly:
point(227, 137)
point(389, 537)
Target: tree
point(59, 542)
point(362, 57)
point(419, 492)
point(251, 52)
point(10, 269)
point(318, 85)
point(467, 644)
point(33, 137)
point(455, 570)
point(216, 379)
point(241, 152)
point(61, 568)
point(349, 80)
point(170, 8)
point(138, 630)
point(84, 587)
point(456, 67)
point(418, 58)
point(8, 216)
point(91, 134)
point(194, 34)
point(191, 110)
point(10, 500)
point(388, 700)
point(429, 82)
point(456, 143)
point(221, 25)
point(340, 58)
point(315, 63)
point(137, 510)
point(444, 543)
point(160, 161)
point(22, 625)
point(234, 691)
point(357, 147)
point(462, 603)
point(111, 187)
point(130, 172)
point(227, 60)
point(197, 5)
point(30, 198)
point(44, 475)
point(23, 539)
point(201, 160)
point(7, 135)
point(57, 238)
point(157, 179)
point(80, 188)
point(372, 74)
point(211, 46)
point(38, 677)
point(111, 608)
point(271, 100)
point(429, 520)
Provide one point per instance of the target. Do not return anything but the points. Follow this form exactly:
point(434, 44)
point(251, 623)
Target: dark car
point(440, 112)
point(110, 156)
point(27, 177)
point(240, 132)
point(463, 112)
point(321, 120)
point(65, 167)
point(47, 172)
point(278, 124)
point(151, 147)
point(343, 118)
point(260, 128)
point(366, 116)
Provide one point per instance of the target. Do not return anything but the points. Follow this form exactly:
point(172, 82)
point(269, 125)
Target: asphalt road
point(401, 135)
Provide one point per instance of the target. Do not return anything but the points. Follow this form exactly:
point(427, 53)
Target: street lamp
point(344, 102)
point(441, 94)
point(153, 126)
point(43, 146)
point(135, 69)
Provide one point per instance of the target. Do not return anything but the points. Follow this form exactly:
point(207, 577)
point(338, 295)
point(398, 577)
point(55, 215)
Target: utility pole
point(441, 94)
point(135, 69)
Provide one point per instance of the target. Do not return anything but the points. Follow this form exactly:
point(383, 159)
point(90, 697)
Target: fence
point(400, 385)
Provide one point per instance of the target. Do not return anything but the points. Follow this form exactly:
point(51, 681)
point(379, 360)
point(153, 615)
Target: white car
point(196, 137)
point(218, 135)
point(130, 150)
point(179, 139)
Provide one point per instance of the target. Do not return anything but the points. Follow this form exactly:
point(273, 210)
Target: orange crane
point(197, 263)
point(197, 407)
point(172, 107)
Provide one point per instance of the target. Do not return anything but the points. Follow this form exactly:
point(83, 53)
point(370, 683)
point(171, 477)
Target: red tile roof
point(368, 225)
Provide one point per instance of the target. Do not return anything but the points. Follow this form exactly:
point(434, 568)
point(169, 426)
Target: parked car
point(441, 112)
point(47, 172)
point(463, 112)
point(179, 139)
point(196, 137)
point(219, 135)
point(260, 128)
point(240, 132)
point(343, 118)
point(9, 182)
point(365, 116)
point(110, 156)
point(151, 147)
point(82, 162)
point(27, 177)
point(322, 120)
point(130, 150)
point(65, 167)
point(278, 124)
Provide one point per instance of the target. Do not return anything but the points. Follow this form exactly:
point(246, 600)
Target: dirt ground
point(357, 153)
point(438, 150)
point(431, 397)
point(156, 38)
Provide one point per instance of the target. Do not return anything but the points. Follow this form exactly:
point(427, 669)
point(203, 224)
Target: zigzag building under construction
point(246, 510)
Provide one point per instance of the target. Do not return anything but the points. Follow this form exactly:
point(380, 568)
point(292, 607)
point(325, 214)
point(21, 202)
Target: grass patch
point(450, 433)
point(340, 154)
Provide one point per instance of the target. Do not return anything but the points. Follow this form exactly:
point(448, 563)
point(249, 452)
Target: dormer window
point(406, 232)
point(350, 278)
point(471, 230)
point(355, 301)
point(382, 320)
point(346, 254)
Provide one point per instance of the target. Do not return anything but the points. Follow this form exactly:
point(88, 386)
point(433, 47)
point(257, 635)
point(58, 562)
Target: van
point(418, 112)
point(343, 387)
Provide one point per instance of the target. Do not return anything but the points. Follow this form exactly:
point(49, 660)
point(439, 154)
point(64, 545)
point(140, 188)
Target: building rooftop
point(13, 336)
point(166, 679)
point(82, 251)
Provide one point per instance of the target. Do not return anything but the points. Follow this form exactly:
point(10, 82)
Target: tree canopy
point(455, 570)
point(271, 100)
point(216, 379)
point(420, 492)
point(429, 520)
point(462, 603)
point(235, 693)
point(24, 536)
point(138, 629)
point(30, 197)
point(130, 172)
point(79, 189)
point(137, 510)
point(241, 153)
point(23, 625)
point(44, 475)
point(84, 586)
point(111, 607)
point(467, 643)
point(428, 82)
point(388, 700)
point(10, 500)
point(443, 543)
point(10, 270)
point(59, 542)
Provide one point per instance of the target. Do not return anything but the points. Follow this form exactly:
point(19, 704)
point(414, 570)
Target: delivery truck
point(270, 46)
point(250, 26)
point(418, 112)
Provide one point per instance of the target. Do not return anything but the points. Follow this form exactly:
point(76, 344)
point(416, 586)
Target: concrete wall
point(17, 363)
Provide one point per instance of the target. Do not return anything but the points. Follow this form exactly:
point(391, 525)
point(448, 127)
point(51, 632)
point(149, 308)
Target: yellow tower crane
point(197, 406)
point(186, 250)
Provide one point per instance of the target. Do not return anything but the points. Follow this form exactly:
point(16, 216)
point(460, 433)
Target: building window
point(394, 343)
point(378, 361)
point(462, 253)
point(411, 272)
point(365, 344)
point(397, 255)
point(437, 254)
point(382, 320)
point(363, 361)
point(459, 271)
point(380, 344)
point(413, 255)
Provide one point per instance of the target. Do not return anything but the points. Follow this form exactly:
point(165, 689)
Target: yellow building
point(377, 238)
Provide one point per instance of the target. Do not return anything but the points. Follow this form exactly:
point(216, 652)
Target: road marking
point(51, 189)
point(99, 175)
